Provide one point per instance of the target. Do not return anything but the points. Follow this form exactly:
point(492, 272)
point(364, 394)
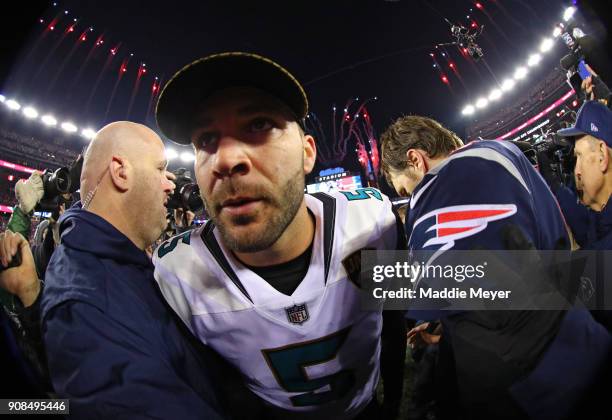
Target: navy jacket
point(592, 230)
point(114, 347)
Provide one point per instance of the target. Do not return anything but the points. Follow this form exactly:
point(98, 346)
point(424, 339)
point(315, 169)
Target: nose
point(230, 158)
point(577, 171)
point(169, 183)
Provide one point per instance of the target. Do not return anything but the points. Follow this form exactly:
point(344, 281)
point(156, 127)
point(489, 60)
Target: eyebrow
point(164, 163)
point(250, 109)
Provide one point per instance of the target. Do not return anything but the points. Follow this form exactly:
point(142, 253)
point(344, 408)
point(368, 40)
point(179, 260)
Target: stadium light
point(481, 103)
point(88, 133)
point(30, 112)
point(187, 157)
point(468, 110)
point(49, 120)
point(533, 60)
point(520, 73)
point(546, 45)
point(13, 104)
point(495, 94)
point(507, 85)
point(2, 98)
point(171, 154)
point(568, 13)
point(69, 127)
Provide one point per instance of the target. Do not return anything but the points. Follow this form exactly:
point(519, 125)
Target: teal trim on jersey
point(362, 194)
point(168, 247)
point(288, 365)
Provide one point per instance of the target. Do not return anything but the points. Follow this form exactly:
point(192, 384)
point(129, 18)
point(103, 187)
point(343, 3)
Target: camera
point(581, 47)
point(186, 194)
point(58, 184)
point(557, 153)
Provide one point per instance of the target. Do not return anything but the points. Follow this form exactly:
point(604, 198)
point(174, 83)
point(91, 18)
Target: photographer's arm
point(22, 280)
point(595, 88)
point(19, 222)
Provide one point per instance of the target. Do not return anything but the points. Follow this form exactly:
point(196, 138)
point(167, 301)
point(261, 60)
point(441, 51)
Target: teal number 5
point(168, 247)
point(289, 367)
point(362, 194)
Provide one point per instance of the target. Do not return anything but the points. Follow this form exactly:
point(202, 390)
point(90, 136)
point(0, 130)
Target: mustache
point(235, 188)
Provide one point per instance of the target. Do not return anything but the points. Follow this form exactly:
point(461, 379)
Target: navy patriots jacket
point(114, 347)
point(510, 364)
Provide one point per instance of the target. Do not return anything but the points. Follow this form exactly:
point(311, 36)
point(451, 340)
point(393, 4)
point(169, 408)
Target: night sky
point(337, 49)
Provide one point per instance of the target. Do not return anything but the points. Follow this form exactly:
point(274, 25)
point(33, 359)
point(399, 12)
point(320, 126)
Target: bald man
point(113, 346)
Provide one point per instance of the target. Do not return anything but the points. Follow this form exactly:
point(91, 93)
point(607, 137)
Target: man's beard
point(285, 206)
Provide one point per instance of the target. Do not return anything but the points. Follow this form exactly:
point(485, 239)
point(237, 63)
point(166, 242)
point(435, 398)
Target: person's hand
point(29, 192)
point(179, 220)
point(22, 280)
point(419, 337)
point(587, 88)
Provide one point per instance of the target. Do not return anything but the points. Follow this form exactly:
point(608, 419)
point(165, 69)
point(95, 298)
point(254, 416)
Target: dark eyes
point(260, 124)
point(204, 139)
point(252, 131)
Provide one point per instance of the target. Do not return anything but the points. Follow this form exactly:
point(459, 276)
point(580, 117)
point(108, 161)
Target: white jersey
point(315, 350)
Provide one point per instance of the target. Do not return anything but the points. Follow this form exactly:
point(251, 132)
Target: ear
point(604, 156)
point(310, 153)
point(119, 169)
point(415, 159)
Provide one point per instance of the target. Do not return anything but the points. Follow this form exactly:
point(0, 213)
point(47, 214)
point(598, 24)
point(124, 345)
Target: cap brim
point(570, 132)
point(180, 98)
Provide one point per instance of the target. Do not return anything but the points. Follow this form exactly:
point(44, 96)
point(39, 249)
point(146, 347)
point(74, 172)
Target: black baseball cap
point(191, 85)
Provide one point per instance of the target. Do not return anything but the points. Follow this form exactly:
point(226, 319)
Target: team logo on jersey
point(439, 229)
point(297, 314)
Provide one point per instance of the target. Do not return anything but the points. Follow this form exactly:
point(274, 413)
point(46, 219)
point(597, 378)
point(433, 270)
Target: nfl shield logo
point(297, 314)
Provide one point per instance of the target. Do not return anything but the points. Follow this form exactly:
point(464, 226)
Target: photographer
point(183, 203)
point(49, 191)
point(183, 220)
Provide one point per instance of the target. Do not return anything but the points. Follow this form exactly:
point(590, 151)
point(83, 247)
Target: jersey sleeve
point(170, 259)
point(371, 212)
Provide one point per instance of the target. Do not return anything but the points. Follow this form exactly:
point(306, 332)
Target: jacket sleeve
point(108, 371)
point(19, 222)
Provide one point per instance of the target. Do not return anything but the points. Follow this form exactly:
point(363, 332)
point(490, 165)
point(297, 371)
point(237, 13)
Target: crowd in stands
point(506, 118)
point(33, 152)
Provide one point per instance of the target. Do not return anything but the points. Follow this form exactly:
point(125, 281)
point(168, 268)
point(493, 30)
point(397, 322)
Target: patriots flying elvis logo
point(439, 229)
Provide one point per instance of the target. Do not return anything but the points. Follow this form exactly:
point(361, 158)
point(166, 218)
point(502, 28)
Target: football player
point(486, 195)
point(271, 282)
